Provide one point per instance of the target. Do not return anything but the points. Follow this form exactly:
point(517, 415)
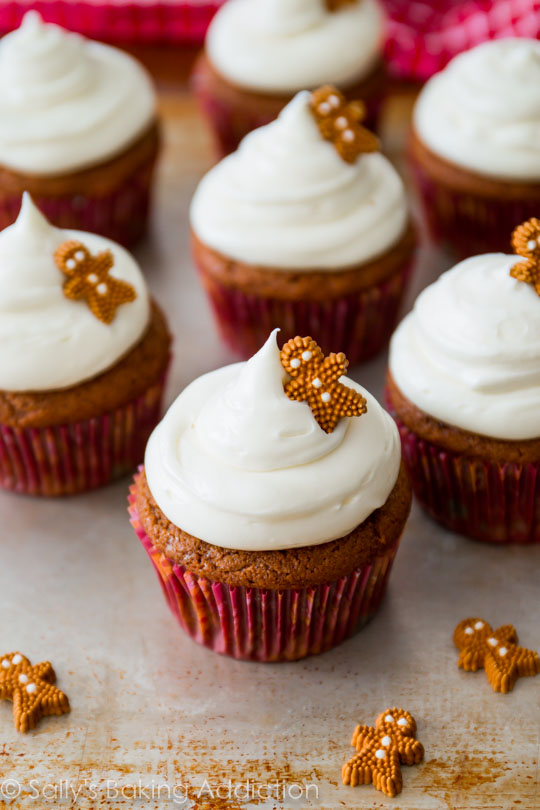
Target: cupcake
point(271, 503)
point(305, 228)
point(78, 130)
point(260, 53)
point(475, 146)
point(83, 358)
point(464, 389)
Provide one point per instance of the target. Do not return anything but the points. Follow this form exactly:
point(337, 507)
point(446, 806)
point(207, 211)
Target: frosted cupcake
point(464, 388)
point(273, 523)
point(306, 228)
point(83, 357)
point(475, 145)
point(259, 53)
point(78, 130)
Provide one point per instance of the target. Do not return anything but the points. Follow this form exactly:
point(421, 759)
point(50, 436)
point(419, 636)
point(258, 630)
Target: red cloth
point(184, 21)
point(424, 36)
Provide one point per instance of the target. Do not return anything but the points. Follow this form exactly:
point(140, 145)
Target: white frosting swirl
point(286, 199)
point(46, 340)
point(469, 352)
point(482, 111)
point(282, 46)
point(66, 102)
point(236, 463)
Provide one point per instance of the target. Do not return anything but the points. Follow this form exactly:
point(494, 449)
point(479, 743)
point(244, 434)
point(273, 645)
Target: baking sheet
point(157, 721)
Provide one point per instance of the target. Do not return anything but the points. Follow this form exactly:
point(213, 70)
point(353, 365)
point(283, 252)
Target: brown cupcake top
point(454, 438)
point(296, 285)
point(288, 568)
point(124, 381)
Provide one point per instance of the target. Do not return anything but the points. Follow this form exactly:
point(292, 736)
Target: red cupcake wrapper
point(359, 325)
point(488, 501)
point(258, 624)
point(469, 223)
point(120, 215)
point(120, 22)
point(79, 456)
point(231, 124)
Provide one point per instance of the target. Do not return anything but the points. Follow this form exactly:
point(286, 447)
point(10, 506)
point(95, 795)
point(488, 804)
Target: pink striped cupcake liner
point(487, 501)
point(120, 215)
point(231, 124)
point(144, 22)
point(360, 325)
point(256, 624)
point(79, 456)
point(471, 224)
point(424, 35)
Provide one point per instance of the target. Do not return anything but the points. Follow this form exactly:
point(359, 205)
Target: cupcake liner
point(260, 624)
point(488, 501)
point(168, 22)
point(78, 456)
point(470, 223)
point(359, 325)
point(230, 124)
point(120, 215)
point(422, 36)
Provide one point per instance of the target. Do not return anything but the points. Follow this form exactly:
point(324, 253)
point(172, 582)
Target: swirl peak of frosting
point(482, 111)
point(236, 463)
point(60, 109)
point(39, 63)
point(47, 341)
point(469, 352)
point(282, 46)
point(286, 199)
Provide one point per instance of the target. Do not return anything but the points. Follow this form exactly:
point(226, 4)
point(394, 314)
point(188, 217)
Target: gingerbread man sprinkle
point(526, 243)
point(89, 279)
point(495, 651)
point(315, 380)
point(339, 122)
point(31, 690)
point(335, 5)
point(382, 750)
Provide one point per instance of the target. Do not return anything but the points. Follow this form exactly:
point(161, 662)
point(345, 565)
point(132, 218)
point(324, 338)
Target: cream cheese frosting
point(286, 199)
point(66, 102)
point(469, 352)
point(482, 111)
point(46, 340)
point(281, 46)
point(236, 463)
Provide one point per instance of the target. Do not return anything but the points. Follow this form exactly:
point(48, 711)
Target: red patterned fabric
point(137, 22)
point(423, 36)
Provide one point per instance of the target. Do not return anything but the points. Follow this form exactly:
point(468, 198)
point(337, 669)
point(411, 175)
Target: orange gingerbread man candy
point(31, 690)
point(382, 750)
point(526, 243)
point(88, 277)
point(335, 5)
point(315, 380)
point(495, 651)
point(339, 122)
